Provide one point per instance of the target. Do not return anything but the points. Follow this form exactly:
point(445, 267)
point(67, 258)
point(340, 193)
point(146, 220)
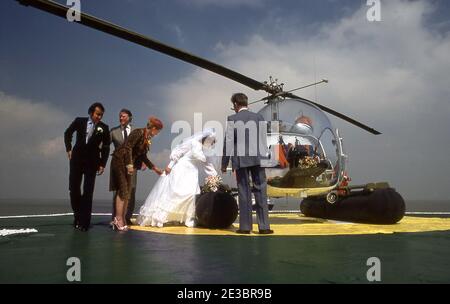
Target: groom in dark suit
point(87, 158)
point(246, 143)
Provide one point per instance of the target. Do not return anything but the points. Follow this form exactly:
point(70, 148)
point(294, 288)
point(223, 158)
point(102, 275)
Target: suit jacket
point(117, 136)
point(117, 140)
point(95, 152)
point(133, 152)
point(255, 145)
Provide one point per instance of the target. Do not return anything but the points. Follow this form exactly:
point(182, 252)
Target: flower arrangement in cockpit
point(307, 162)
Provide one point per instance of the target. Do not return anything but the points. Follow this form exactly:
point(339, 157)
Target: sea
point(13, 207)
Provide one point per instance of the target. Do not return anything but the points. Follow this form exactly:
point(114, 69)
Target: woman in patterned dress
point(125, 160)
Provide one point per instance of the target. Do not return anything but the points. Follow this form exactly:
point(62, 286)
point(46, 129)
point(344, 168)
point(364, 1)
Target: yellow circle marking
point(299, 225)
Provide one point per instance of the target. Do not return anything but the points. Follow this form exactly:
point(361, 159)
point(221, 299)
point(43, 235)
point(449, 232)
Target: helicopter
point(307, 158)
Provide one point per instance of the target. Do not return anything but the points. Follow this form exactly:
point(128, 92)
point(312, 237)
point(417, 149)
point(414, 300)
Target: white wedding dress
point(172, 199)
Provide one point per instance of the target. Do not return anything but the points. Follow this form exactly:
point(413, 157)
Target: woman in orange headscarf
point(125, 160)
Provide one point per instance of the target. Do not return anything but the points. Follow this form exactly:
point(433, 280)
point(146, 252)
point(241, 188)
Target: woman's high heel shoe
point(118, 227)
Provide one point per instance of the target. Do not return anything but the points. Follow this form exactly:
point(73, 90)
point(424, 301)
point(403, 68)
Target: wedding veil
point(208, 132)
point(186, 143)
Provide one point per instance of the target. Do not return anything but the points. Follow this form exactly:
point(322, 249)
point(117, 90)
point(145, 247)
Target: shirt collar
point(243, 109)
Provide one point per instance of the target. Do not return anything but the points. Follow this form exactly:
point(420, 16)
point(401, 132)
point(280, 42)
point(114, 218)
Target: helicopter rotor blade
point(262, 99)
point(115, 30)
point(120, 32)
point(337, 114)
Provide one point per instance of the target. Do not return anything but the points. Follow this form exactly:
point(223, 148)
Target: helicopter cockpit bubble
point(302, 125)
point(302, 130)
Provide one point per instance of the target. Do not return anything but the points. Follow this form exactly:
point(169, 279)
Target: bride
point(172, 199)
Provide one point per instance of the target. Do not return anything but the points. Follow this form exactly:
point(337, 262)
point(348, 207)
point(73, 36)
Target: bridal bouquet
point(307, 162)
point(212, 183)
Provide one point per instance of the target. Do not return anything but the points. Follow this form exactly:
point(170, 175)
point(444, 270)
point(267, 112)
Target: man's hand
point(168, 170)
point(100, 170)
point(157, 170)
point(69, 155)
point(130, 170)
point(224, 170)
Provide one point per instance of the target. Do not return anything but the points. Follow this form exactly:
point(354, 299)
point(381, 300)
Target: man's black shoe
point(76, 225)
point(243, 231)
point(266, 231)
point(81, 228)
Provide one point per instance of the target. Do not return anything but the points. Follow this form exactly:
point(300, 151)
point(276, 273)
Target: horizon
point(392, 75)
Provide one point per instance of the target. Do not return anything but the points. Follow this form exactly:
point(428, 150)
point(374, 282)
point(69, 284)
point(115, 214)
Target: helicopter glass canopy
point(304, 149)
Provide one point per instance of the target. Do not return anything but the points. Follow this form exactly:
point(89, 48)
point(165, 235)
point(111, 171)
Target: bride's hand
point(168, 170)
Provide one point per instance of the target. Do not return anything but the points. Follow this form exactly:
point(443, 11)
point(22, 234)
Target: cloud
point(160, 158)
point(30, 130)
point(51, 147)
point(178, 32)
point(392, 75)
point(32, 150)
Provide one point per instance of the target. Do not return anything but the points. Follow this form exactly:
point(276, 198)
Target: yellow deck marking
point(299, 225)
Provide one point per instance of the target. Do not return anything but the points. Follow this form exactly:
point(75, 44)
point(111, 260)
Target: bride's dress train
point(172, 199)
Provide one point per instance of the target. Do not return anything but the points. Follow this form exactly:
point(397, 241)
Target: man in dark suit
point(246, 143)
point(87, 158)
point(118, 135)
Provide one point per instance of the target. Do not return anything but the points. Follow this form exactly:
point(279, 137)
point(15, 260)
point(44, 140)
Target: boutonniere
point(149, 141)
point(99, 130)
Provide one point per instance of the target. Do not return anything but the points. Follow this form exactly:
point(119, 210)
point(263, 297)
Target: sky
point(393, 75)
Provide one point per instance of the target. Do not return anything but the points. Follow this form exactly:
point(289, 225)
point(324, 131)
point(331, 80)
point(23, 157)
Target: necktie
point(90, 129)
point(125, 134)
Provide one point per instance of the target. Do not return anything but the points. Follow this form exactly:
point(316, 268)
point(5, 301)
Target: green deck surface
point(143, 257)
